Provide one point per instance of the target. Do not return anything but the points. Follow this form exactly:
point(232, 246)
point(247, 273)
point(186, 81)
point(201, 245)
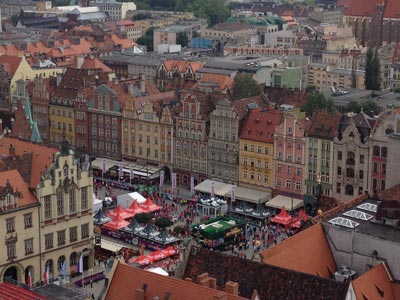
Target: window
point(245, 147)
point(245, 161)
point(339, 171)
point(259, 149)
point(289, 169)
point(375, 167)
point(252, 148)
point(251, 176)
point(84, 198)
point(11, 250)
point(85, 231)
point(47, 207)
point(374, 183)
point(28, 220)
point(10, 224)
point(73, 234)
point(338, 188)
point(383, 185)
point(279, 167)
point(298, 185)
point(61, 237)
point(266, 151)
point(266, 165)
point(298, 171)
point(288, 183)
point(48, 240)
point(361, 174)
point(384, 152)
point(265, 178)
point(278, 183)
point(289, 130)
point(339, 155)
point(361, 159)
point(28, 246)
point(244, 174)
point(72, 201)
point(60, 203)
point(383, 168)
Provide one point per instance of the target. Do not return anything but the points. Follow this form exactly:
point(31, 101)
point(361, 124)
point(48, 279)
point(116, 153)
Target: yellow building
point(256, 149)
point(47, 213)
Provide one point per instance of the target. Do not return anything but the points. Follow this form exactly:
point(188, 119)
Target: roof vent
point(257, 120)
point(343, 273)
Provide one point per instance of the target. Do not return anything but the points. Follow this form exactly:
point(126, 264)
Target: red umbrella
point(134, 208)
point(283, 218)
point(144, 260)
point(119, 211)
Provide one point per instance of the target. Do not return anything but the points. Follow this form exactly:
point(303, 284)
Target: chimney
point(76, 41)
point(140, 294)
point(142, 83)
point(205, 282)
point(232, 288)
point(201, 277)
point(212, 283)
point(11, 151)
point(220, 296)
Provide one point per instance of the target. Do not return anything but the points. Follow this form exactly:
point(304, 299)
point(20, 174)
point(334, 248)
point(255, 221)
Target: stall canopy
point(159, 271)
point(283, 217)
point(288, 202)
point(250, 195)
point(100, 218)
point(135, 209)
point(108, 163)
point(119, 211)
point(300, 219)
point(116, 223)
point(126, 199)
point(150, 205)
point(110, 246)
point(220, 188)
point(155, 256)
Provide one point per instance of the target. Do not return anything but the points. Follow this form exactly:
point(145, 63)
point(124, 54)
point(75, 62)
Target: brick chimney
point(232, 288)
point(142, 83)
point(201, 277)
point(11, 151)
point(140, 294)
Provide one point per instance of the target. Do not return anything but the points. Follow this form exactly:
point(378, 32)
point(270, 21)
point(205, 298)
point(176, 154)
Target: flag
point(192, 185)
point(87, 161)
point(79, 267)
point(104, 166)
point(46, 275)
point(161, 178)
point(120, 169)
point(212, 189)
point(64, 269)
point(233, 193)
point(29, 279)
point(173, 181)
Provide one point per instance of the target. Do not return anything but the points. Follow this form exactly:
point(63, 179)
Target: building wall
point(66, 221)
point(40, 100)
point(223, 143)
point(163, 37)
point(61, 122)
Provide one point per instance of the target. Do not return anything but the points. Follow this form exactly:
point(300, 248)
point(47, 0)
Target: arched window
point(350, 158)
point(349, 190)
point(376, 151)
point(384, 152)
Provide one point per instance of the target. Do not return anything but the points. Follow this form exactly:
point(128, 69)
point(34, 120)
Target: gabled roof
point(182, 65)
point(39, 156)
point(223, 82)
point(14, 178)
point(392, 9)
point(10, 63)
point(269, 281)
point(94, 64)
point(126, 280)
point(242, 106)
point(260, 125)
point(324, 125)
point(365, 8)
point(307, 252)
point(375, 284)
point(12, 292)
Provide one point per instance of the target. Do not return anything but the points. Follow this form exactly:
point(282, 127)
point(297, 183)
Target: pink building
point(289, 156)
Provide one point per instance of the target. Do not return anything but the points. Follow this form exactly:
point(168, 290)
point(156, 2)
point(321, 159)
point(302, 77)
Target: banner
point(212, 189)
point(104, 166)
point(131, 174)
point(161, 178)
point(233, 193)
point(120, 170)
point(87, 162)
point(173, 180)
point(192, 185)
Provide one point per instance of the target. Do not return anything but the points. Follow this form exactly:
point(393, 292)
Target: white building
point(115, 10)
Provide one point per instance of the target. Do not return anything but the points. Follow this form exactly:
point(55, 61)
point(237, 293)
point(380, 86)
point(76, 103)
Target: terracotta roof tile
point(17, 182)
point(374, 284)
point(324, 125)
point(307, 252)
point(94, 64)
point(392, 193)
point(260, 125)
point(10, 63)
point(269, 281)
point(224, 82)
point(363, 8)
point(42, 157)
point(392, 9)
point(126, 280)
point(242, 105)
point(182, 65)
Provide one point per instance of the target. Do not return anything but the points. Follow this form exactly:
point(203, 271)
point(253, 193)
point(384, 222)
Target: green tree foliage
point(195, 34)
point(147, 39)
point(143, 218)
point(245, 86)
point(60, 2)
point(179, 229)
point(369, 107)
point(182, 39)
point(141, 16)
point(397, 89)
point(163, 222)
point(316, 102)
point(372, 70)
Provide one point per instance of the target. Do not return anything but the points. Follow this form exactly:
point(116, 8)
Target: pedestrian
point(93, 296)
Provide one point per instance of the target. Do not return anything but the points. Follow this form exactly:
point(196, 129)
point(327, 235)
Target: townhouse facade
point(289, 155)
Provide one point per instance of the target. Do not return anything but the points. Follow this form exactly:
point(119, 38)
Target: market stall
point(100, 218)
point(119, 211)
point(150, 206)
point(283, 218)
point(213, 207)
point(289, 203)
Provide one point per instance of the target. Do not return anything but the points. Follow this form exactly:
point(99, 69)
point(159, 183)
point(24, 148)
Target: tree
point(369, 107)
point(216, 11)
point(147, 39)
point(245, 86)
point(141, 16)
point(179, 229)
point(195, 34)
point(316, 102)
point(372, 70)
point(353, 106)
point(143, 218)
point(182, 39)
point(163, 222)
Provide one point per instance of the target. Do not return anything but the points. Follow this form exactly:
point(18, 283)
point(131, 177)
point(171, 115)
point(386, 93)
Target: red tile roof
point(242, 105)
point(41, 157)
point(10, 63)
point(364, 8)
point(94, 64)
point(182, 65)
point(17, 182)
point(324, 125)
point(375, 284)
point(12, 292)
point(260, 125)
point(223, 82)
point(126, 280)
point(307, 252)
point(392, 9)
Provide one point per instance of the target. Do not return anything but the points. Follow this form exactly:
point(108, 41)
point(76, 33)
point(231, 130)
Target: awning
point(220, 188)
point(287, 202)
point(108, 163)
point(250, 195)
point(110, 246)
point(159, 271)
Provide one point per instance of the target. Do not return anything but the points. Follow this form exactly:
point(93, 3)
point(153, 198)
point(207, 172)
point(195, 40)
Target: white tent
point(159, 271)
point(126, 200)
point(97, 204)
point(282, 201)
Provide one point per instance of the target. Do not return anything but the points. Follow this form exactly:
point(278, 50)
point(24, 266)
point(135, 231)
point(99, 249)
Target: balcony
point(11, 237)
point(350, 162)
